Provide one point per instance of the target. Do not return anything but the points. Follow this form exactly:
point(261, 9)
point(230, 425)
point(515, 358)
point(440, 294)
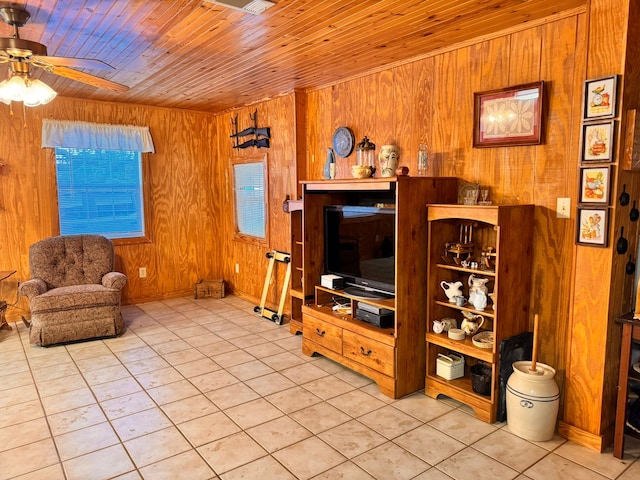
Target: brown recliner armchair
point(74, 294)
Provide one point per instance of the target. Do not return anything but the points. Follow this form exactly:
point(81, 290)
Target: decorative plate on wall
point(343, 141)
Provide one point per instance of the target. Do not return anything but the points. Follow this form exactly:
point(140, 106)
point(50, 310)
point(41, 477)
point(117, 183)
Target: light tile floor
point(206, 389)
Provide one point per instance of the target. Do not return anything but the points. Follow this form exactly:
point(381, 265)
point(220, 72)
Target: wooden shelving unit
point(508, 229)
point(297, 292)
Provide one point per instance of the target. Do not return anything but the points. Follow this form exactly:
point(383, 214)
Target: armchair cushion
point(71, 260)
point(32, 288)
point(74, 297)
point(74, 294)
point(114, 280)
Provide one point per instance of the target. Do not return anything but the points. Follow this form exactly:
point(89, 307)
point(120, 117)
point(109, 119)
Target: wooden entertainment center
point(393, 357)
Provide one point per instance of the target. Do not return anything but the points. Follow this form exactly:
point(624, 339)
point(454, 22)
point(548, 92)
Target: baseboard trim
point(581, 437)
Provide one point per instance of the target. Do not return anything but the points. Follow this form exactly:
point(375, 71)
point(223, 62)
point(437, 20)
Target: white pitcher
point(451, 290)
point(478, 299)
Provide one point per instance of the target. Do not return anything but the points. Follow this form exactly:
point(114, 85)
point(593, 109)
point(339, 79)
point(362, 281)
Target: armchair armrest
point(115, 280)
point(32, 288)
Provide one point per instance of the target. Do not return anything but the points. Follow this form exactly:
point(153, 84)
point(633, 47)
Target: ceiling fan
point(21, 54)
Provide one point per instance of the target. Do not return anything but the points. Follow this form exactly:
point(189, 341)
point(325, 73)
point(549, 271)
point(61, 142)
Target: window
point(250, 199)
point(101, 192)
point(100, 171)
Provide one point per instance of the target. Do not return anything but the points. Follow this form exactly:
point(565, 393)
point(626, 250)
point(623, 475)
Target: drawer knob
point(320, 333)
point(367, 353)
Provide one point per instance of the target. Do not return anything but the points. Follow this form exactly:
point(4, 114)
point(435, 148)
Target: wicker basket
point(450, 366)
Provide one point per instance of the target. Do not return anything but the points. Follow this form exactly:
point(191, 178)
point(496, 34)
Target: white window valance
point(96, 136)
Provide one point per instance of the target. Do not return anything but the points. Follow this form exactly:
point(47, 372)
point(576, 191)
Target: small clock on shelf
point(343, 141)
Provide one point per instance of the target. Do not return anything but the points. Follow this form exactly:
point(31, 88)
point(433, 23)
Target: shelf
point(479, 213)
point(484, 313)
point(297, 293)
point(342, 184)
point(294, 205)
point(388, 303)
point(465, 347)
point(477, 271)
point(463, 384)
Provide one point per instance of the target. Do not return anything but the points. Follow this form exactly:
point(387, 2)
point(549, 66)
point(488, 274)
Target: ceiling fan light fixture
point(4, 99)
point(30, 92)
point(13, 89)
point(38, 93)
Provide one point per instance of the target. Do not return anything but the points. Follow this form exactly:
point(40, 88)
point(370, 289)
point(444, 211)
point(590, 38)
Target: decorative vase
point(388, 159)
point(477, 284)
point(533, 398)
point(330, 165)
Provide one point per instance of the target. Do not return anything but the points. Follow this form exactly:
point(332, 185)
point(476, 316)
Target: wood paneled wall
point(182, 249)
point(279, 115)
point(432, 100)
point(602, 290)
point(192, 222)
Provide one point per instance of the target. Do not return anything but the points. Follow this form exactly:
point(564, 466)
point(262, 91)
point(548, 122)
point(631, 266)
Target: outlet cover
point(563, 208)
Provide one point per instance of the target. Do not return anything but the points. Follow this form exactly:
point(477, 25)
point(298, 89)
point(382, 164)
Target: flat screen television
point(359, 246)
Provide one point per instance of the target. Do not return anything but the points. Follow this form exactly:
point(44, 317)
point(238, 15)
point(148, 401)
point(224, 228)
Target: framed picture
point(593, 227)
point(600, 97)
point(597, 141)
point(508, 116)
point(595, 185)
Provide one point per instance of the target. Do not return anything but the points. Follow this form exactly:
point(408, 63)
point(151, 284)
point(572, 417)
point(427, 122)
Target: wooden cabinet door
point(323, 333)
point(368, 352)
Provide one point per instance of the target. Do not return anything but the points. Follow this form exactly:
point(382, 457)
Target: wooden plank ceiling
point(197, 55)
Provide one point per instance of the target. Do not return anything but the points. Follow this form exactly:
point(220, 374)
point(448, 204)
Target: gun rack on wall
point(261, 134)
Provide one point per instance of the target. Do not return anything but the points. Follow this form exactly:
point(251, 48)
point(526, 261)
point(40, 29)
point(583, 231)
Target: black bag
point(512, 349)
point(633, 416)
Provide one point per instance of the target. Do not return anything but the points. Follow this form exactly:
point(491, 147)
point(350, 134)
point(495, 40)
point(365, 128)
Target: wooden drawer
point(368, 352)
point(322, 333)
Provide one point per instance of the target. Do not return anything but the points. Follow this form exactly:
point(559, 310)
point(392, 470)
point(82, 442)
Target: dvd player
point(381, 320)
point(373, 309)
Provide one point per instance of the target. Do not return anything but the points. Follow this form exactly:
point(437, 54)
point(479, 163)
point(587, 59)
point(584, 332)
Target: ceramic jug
point(451, 290)
point(444, 325)
point(478, 299)
point(472, 323)
point(388, 157)
point(477, 284)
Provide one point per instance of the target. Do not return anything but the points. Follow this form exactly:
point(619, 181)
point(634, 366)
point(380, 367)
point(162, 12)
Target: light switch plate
point(563, 208)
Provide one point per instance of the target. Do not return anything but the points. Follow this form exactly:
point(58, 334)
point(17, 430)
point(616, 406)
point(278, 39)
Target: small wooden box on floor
point(209, 289)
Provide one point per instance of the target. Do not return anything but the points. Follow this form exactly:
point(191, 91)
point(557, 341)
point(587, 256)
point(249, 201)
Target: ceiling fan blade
point(91, 63)
point(88, 79)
